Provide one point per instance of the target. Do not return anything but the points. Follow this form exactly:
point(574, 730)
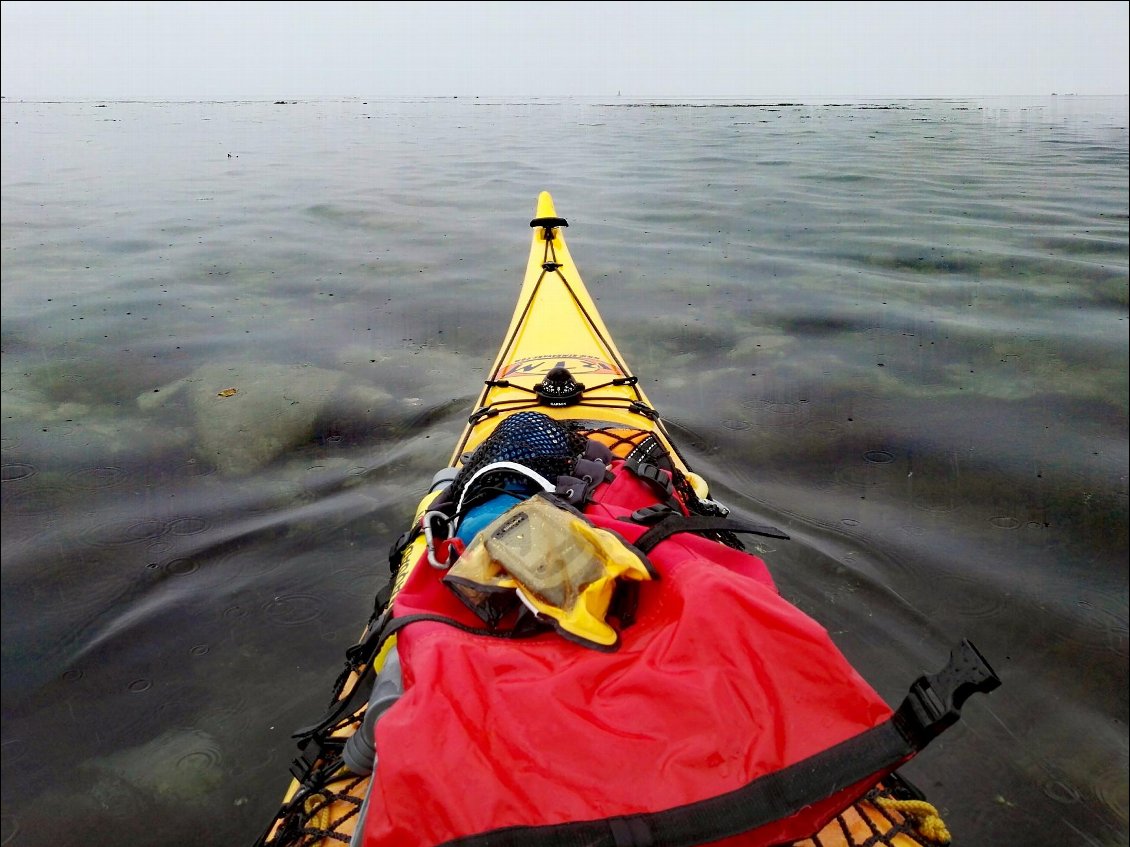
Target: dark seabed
point(898, 330)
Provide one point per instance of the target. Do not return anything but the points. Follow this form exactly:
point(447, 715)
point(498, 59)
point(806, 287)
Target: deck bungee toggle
point(574, 631)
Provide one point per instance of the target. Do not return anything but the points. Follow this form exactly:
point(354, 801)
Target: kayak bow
point(558, 355)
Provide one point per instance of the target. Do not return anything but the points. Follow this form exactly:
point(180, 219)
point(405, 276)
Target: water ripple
point(294, 609)
point(117, 533)
point(95, 479)
point(16, 471)
point(44, 500)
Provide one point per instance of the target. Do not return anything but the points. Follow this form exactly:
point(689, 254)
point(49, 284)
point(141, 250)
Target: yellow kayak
point(558, 360)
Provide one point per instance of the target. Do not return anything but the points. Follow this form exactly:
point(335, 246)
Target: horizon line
point(293, 98)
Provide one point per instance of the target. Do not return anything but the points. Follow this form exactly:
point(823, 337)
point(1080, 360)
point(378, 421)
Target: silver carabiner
point(429, 536)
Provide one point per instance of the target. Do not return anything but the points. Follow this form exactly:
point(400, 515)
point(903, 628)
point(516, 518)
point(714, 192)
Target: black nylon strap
point(655, 476)
point(648, 451)
point(674, 523)
point(630, 832)
point(770, 798)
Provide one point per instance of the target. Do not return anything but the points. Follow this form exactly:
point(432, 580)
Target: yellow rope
point(318, 821)
point(927, 821)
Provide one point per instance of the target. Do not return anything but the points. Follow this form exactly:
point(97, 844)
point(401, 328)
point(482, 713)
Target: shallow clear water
point(898, 330)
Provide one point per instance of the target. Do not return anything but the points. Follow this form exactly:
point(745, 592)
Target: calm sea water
point(898, 330)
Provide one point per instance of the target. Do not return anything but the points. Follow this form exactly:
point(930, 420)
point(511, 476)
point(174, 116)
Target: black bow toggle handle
point(549, 223)
point(549, 230)
point(935, 700)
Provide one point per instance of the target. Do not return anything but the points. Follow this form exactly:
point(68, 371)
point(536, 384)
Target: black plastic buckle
point(650, 515)
point(653, 474)
point(648, 450)
point(935, 700)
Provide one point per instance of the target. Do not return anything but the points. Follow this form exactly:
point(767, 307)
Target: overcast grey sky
point(671, 49)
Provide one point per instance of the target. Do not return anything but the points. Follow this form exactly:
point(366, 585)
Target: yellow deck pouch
point(552, 560)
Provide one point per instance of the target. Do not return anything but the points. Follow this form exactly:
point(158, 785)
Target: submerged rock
point(273, 408)
point(245, 416)
point(182, 766)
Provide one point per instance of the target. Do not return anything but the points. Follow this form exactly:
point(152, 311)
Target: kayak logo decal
point(542, 365)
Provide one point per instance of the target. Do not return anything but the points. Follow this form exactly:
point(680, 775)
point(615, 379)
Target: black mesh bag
point(531, 439)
